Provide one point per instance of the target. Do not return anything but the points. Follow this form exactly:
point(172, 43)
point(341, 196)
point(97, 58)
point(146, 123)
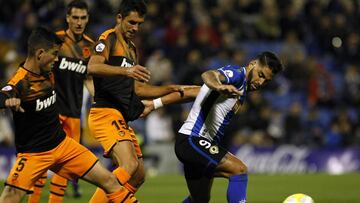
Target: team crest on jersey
point(100, 47)
point(229, 73)
point(214, 149)
point(14, 177)
point(86, 52)
point(6, 88)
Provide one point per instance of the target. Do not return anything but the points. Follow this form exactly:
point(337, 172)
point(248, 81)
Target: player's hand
point(228, 90)
point(177, 88)
point(14, 103)
point(149, 107)
point(139, 73)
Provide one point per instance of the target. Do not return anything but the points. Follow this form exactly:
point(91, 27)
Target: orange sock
point(35, 197)
point(99, 196)
point(123, 196)
point(57, 189)
point(130, 188)
point(122, 175)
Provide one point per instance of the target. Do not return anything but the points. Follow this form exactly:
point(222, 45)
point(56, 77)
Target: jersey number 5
point(21, 164)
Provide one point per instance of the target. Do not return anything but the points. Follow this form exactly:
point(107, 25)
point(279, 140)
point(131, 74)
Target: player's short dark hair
point(77, 4)
point(126, 6)
point(42, 38)
point(269, 59)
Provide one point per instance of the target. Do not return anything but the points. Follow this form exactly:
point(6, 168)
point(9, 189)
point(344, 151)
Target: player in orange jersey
point(70, 74)
point(117, 100)
point(40, 141)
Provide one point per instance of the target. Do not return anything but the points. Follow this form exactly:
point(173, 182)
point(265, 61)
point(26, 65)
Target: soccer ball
point(299, 198)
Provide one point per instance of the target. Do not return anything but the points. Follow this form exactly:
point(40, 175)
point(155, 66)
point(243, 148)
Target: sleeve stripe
point(88, 39)
point(105, 34)
point(60, 33)
point(20, 74)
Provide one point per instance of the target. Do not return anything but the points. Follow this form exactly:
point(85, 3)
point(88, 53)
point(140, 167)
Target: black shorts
point(199, 155)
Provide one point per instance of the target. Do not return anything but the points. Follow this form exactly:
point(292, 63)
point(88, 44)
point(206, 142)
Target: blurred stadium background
point(300, 134)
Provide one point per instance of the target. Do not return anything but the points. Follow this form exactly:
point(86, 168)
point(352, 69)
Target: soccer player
point(117, 100)
point(198, 145)
point(70, 72)
point(40, 141)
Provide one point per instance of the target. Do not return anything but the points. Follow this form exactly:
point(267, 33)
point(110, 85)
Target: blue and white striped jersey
point(212, 111)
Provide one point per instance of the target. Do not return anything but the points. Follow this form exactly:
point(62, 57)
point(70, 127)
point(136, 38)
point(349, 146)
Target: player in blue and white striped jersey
point(197, 144)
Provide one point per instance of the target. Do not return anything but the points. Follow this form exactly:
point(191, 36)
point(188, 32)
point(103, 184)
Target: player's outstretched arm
point(189, 94)
point(146, 91)
point(89, 84)
point(97, 66)
point(214, 80)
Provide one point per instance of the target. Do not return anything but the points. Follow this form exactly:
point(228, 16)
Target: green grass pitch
point(261, 189)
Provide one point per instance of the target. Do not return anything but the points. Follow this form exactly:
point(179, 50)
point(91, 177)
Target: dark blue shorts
point(199, 155)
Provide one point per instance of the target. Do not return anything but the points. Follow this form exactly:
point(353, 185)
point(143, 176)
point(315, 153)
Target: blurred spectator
point(30, 23)
point(268, 26)
point(333, 137)
point(321, 89)
point(294, 127)
point(160, 67)
point(314, 128)
point(192, 69)
point(205, 36)
point(352, 81)
point(351, 49)
point(159, 127)
point(345, 127)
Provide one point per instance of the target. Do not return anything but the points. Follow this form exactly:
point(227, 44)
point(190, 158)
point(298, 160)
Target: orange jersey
point(117, 92)
point(38, 128)
point(70, 72)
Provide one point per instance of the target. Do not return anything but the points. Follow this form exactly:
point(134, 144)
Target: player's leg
point(128, 164)
point(28, 168)
point(236, 171)
point(12, 195)
point(136, 169)
point(38, 187)
point(127, 167)
point(200, 157)
point(58, 184)
point(74, 161)
point(107, 181)
point(138, 178)
point(75, 133)
point(199, 185)
point(119, 143)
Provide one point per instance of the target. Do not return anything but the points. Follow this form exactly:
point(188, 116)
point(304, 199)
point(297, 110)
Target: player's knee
point(239, 168)
point(131, 166)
